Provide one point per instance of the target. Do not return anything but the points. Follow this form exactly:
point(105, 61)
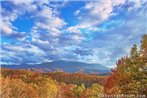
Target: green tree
point(78, 90)
point(95, 91)
point(144, 45)
point(134, 51)
point(130, 75)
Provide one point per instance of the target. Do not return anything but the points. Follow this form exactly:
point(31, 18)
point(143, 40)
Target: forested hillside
point(22, 84)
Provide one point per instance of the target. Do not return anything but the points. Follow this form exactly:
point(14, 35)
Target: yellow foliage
point(16, 88)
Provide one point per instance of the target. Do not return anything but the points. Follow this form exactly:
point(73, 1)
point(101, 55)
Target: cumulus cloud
point(82, 52)
point(118, 2)
point(96, 12)
point(8, 30)
point(20, 53)
point(17, 2)
point(73, 29)
point(49, 21)
point(5, 28)
point(44, 45)
point(8, 17)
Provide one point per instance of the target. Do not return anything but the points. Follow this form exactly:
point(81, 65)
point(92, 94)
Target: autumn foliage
point(27, 84)
point(130, 75)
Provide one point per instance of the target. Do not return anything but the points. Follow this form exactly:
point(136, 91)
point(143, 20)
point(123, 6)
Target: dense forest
point(128, 78)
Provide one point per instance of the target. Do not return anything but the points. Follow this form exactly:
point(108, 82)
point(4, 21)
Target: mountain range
point(61, 65)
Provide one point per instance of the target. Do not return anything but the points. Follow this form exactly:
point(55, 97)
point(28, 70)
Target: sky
point(99, 31)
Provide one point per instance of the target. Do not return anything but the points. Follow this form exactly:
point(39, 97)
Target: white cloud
point(40, 41)
point(77, 38)
point(138, 3)
point(77, 12)
point(118, 2)
point(46, 26)
point(6, 28)
point(43, 2)
point(98, 12)
point(24, 5)
point(17, 2)
point(35, 50)
point(57, 22)
point(51, 22)
point(93, 13)
point(73, 29)
point(9, 16)
point(21, 53)
point(45, 12)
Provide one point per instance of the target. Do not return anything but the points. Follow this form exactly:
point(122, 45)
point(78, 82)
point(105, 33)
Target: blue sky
point(99, 31)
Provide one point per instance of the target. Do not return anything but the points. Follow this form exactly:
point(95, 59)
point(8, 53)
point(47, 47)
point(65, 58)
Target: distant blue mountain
point(61, 65)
